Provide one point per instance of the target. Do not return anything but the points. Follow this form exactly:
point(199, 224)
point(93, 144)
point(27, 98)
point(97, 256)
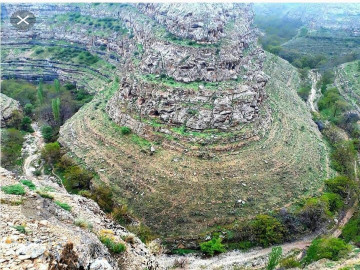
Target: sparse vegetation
point(16, 189)
point(28, 183)
point(45, 194)
point(83, 224)
point(20, 228)
point(108, 240)
point(274, 258)
point(64, 206)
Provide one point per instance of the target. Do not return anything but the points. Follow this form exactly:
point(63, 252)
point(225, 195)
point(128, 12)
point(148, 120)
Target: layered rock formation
point(192, 88)
point(204, 74)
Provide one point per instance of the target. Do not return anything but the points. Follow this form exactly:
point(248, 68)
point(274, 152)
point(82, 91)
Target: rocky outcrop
point(38, 234)
point(204, 22)
point(8, 107)
point(207, 78)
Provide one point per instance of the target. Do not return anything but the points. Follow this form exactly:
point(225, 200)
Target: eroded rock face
point(203, 22)
point(53, 240)
point(205, 73)
point(8, 107)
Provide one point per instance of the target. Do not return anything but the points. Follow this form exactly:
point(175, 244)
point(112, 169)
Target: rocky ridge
point(50, 231)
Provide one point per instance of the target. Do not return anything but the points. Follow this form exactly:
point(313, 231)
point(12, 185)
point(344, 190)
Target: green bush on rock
point(14, 189)
point(212, 246)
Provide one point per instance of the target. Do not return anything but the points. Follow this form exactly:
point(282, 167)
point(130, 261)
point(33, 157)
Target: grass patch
point(45, 195)
point(143, 143)
point(113, 246)
point(125, 130)
point(28, 183)
point(14, 189)
point(20, 228)
point(83, 224)
point(64, 206)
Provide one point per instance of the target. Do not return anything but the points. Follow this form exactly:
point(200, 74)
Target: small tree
point(343, 158)
point(51, 152)
point(28, 109)
point(40, 93)
point(274, 258)
point(78, 178)
point(47, 133)
point(267, 230)
point(213, 246)
point(341, 185)
point(26, 124)
point(57, 85)
point(55, 104)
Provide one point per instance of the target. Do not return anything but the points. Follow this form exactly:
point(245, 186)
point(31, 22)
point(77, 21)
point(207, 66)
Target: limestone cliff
point(8, 107)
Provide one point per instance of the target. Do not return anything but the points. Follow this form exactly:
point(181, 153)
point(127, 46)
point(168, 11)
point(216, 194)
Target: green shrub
point(341, 185)
point(274, 258)
point(77, 177)
point(11, 144)
point(28, 109)
point(351, 231)
point(28, 183)
point(245, 245)
point(37, 172)
point(111, 245)
point(20, 228)
point(314, 213)
point(64, 206)
point(125, 130)
point(343, 158)
point(289, 262)
point(47, 133)
point(213, 246)
point(26, 124)
point(329, 248)
point(51, 152)
point(333, 200)
point(267, 230)
point(14, 189)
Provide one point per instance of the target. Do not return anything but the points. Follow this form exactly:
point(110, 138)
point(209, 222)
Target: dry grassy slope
point(177, 194)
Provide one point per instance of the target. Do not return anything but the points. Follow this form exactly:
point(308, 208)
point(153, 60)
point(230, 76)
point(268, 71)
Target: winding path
point(34, 143)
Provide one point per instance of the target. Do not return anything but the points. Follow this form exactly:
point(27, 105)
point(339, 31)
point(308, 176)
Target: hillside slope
point(176, 193)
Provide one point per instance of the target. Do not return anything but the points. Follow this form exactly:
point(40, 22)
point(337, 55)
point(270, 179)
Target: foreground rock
point(8, 108)
point(52, 240)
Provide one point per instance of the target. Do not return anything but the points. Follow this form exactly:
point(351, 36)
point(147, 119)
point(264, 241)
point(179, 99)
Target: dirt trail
point(34, 142)
point(233, 258)
point(312, 96)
